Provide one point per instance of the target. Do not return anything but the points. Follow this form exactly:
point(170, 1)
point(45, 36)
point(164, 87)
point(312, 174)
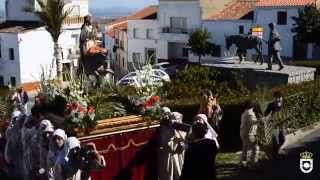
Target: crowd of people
point(34, 149)
point(20, 99)
point(188, 151)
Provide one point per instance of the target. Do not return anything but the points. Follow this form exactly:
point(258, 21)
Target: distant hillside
point(111, 12)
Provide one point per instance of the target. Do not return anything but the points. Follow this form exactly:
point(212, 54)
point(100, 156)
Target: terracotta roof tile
point(238, 8)
point(234, 10)
point(123, 26)
point(144, 13)
point(176, 0)
point(18, 26)
point(31, 86)
point(149, 12)
point(266, 3)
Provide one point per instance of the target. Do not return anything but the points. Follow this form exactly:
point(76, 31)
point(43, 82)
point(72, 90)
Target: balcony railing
point(175, 30)
point(73, 20)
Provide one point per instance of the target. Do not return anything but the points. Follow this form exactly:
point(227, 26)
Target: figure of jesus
point(88, 43)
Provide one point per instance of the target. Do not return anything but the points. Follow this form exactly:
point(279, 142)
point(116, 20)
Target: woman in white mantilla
point(171, 150)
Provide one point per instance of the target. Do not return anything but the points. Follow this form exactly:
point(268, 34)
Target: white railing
point(73, 20)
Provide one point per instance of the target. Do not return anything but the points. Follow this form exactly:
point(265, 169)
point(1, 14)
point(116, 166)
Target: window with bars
point(1, 81)
point(178, 24)
point(13, 81)
point(185, 52)
point(282, 18)
point(149, 33)
point(75, 38)
point(11, 54)
point(135, 31)
point(241, 29)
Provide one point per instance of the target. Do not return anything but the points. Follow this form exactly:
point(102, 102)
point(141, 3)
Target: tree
point(307, 25)
point(200, 44)
point(52, 13)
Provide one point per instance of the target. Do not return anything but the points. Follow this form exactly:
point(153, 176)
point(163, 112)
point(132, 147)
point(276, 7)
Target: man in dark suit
point(199, 162)
point(278, 135)
point(274, 47)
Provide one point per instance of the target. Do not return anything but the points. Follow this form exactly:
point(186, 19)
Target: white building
point(133, 39)
point(143, 41)
point(26, 47)
point(239, 16)
point(156, 32)
point(177, 19)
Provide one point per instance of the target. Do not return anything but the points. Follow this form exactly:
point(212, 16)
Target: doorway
point(300, 49)
point(150, 54)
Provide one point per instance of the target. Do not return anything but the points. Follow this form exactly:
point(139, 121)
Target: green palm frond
point(52, 13)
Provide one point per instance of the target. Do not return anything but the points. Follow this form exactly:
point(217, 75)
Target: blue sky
point(128, 4)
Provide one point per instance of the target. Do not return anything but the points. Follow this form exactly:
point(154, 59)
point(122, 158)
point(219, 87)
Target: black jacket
point(199, 162)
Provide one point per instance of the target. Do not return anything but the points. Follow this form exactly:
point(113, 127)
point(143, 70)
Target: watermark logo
point(306, 162)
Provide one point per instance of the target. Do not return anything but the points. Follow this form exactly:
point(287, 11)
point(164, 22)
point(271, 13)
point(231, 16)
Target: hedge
point(301, 109)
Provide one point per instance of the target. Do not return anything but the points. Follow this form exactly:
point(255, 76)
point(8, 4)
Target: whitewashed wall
point(36, 51)
point(82, 5)
point(121, 54)
point(189, 9)
point(33, 50)
point(15, 11)
point(9, 68)
point(139, 43)
point(263, 16)
point(109, 44)
point(175, 50)
point(69, 39)
point(219, 29)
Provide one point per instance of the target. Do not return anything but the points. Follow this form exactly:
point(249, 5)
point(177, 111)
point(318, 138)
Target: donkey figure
point(243, 43)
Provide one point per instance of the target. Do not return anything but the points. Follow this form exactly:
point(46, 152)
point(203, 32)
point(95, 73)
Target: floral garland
point(152, 107)
point(147, 106)
point(78, 114)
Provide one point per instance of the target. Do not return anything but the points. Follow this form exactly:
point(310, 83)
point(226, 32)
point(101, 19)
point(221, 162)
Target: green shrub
point(4, 91)
point(108, 104)
point(302, 104)
point(301, 109)
point(189, 82)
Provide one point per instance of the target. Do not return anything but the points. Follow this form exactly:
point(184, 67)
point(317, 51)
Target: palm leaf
point(52, 13)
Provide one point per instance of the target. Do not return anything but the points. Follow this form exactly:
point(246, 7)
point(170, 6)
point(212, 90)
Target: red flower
point(81, 109)
point(74, 106)
point(90, 109)
point(154, 99)
point(148, 103)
